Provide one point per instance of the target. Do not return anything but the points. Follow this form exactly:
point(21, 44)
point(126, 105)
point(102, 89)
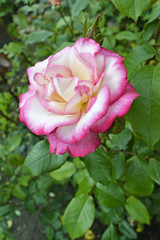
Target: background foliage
point(114, 191)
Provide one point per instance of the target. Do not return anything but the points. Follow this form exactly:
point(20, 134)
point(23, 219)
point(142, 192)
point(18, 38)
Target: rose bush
point(74, 95)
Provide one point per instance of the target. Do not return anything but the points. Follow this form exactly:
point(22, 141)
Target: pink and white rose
point(76, 94)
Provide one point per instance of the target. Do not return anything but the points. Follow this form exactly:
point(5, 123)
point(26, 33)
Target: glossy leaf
point(21, 20)
point(118, 165)
point(15, 159)
point(137, 210)
point(37, 37)
point(40, 160)
point(126, 229)
point(136, 56)
point(5, 209)
point(98, 166)
point(138, 182)
point(144, 115)
point(126, 35)
point(111, 196)
point(85, 186)
point(155, 12)
point(18, 192)
point(65, 171)
point(121, 140)
point(111, 215)
point(78, 6)
point(132, 8)
point(13, 142)
point(79, 216)
point(154, 170)
point(110, 234)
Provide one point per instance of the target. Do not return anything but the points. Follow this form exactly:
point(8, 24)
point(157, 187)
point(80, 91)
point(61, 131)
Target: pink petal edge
point(79, 149)
point(118, 108)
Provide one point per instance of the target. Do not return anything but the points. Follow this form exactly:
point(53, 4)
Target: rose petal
point(40, 121)
point(118, 108)
point(115, 72)
point(76, 132)
point(53, 69)
point(65, 87)
point(70, 57)
point(54, 107)
point(74, 105)
point(85, 45)
point(79, 149)
point(116, 77)
point(22, 100)
point(38, 68)
point(91, 63)
point(90, 103)
point(55, 143)
point(39, 78)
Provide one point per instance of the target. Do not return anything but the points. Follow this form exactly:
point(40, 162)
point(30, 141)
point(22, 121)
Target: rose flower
point(55, 2)
point(76, 94)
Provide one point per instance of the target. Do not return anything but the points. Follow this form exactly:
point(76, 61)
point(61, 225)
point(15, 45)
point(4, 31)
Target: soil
point(28, 227)
point(151, 232)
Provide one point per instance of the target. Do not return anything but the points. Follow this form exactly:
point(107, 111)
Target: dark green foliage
point(115, 190)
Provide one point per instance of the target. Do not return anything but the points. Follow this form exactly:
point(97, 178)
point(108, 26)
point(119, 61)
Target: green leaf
point(127, 230)
point(81, 174)
point(137, 55)
point(44, 182)
point(118, 165)
point(132, 8)
point(155, 12)
point(5, 209)
point(21, 20)
point(9, 169)
point(79, 216)
point(61, 23)
point(144, 115)
point(66, 171)
point(137, 210)
point(40, 160)
point(14, 47)
point(110, 234)
point(149, 30)
point(37, 37)
point(40, 198)
point(154, 170)
point(15, 159)
point(78, 163)
point(98, 166)
point(126, 35)
point(2, 236)
point(78, 7)
point(121, 140)
point(111, 215)
point(109, 42)
point(2, 151)
point(138, 182)
point(49, 232)
point(13, 142)
point(111, 196)
point(85, 186)
point(18, 192)
point(23, 180)
point(31, 1)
